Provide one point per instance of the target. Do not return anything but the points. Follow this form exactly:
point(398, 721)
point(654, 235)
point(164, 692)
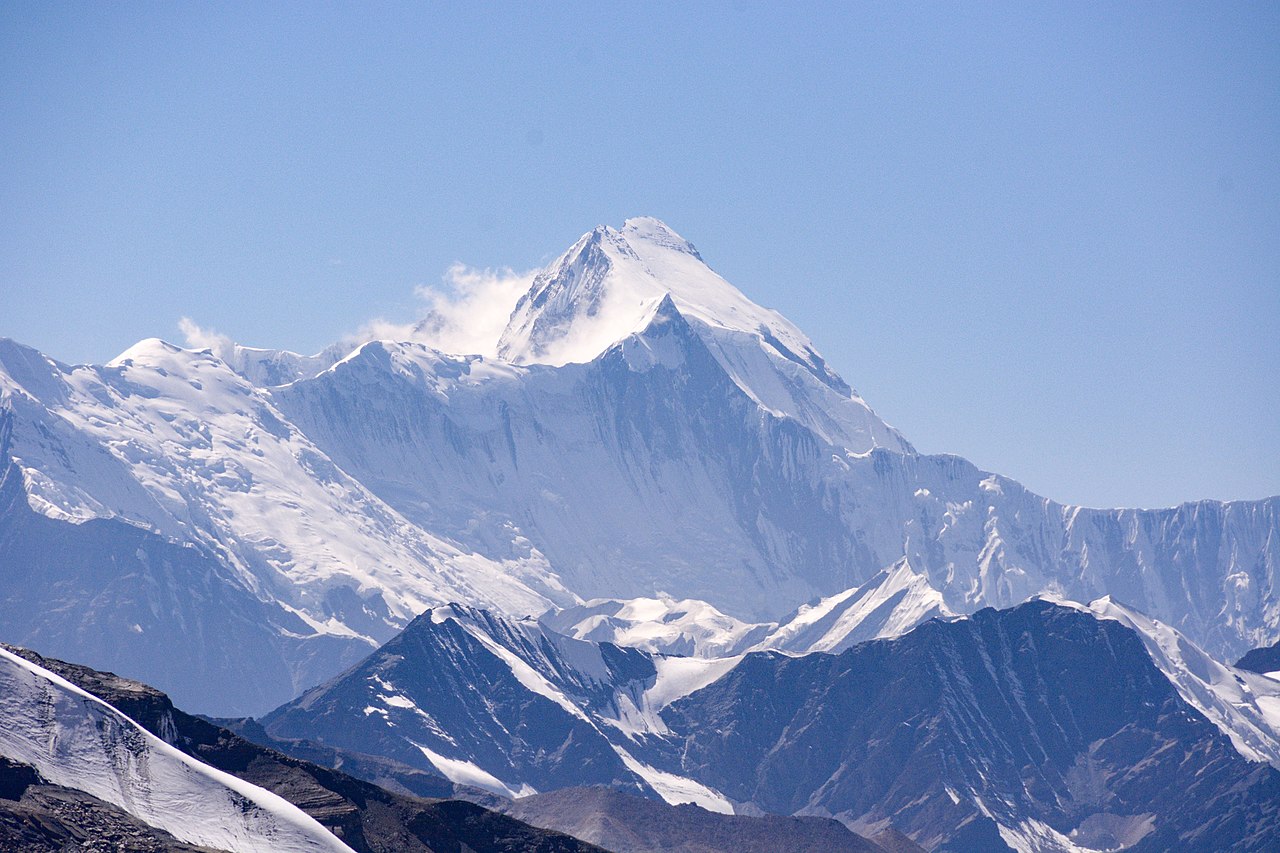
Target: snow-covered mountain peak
point(150, 351)
point(661, 625)
point(601, 289)
point(612, 282)
point(890, 604)
point(660, 340)
point(468, 615)
point(261, 368)
point(270, 367)
point(657, 232)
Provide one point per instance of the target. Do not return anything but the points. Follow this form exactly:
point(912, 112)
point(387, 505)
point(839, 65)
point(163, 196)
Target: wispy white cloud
point(466, 313)
point(198, 337)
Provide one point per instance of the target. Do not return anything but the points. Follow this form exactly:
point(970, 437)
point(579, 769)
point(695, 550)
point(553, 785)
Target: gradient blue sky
point(1045, 237)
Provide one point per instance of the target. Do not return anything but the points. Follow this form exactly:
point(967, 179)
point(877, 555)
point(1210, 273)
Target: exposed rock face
point(1046, 721)
point(507, 706)
point(1264, 660)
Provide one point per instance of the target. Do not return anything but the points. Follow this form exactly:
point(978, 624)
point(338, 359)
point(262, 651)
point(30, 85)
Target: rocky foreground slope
point(277, 803)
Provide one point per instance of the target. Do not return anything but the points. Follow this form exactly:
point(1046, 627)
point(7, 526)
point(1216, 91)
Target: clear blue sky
point(1044, 237)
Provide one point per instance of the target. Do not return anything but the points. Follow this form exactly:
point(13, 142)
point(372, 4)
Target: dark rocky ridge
point(1263, 660)
point(459, 686)
point(1041, 719)
point(386, 773)
point(1037, 713)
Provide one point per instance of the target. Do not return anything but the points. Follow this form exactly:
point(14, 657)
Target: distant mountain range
point(1044, 727)
point(644, 492)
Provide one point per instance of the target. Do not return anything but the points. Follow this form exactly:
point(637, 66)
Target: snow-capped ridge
point(78, 741)
point(27, 371)
point(536, 655)
point(1243, 705)
point(661, 625)
point(890, 604)
point(419, 363)
point(261, 368)
point(267, 368)
point(653, 230)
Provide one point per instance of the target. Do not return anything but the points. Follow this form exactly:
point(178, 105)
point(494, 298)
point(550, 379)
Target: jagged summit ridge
point(604, 289)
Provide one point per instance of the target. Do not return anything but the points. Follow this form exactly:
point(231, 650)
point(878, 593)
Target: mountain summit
point(599, 291)
point(607, 286)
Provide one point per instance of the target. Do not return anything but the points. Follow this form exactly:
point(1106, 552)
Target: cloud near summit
point(199, 337)
point(465, 314)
